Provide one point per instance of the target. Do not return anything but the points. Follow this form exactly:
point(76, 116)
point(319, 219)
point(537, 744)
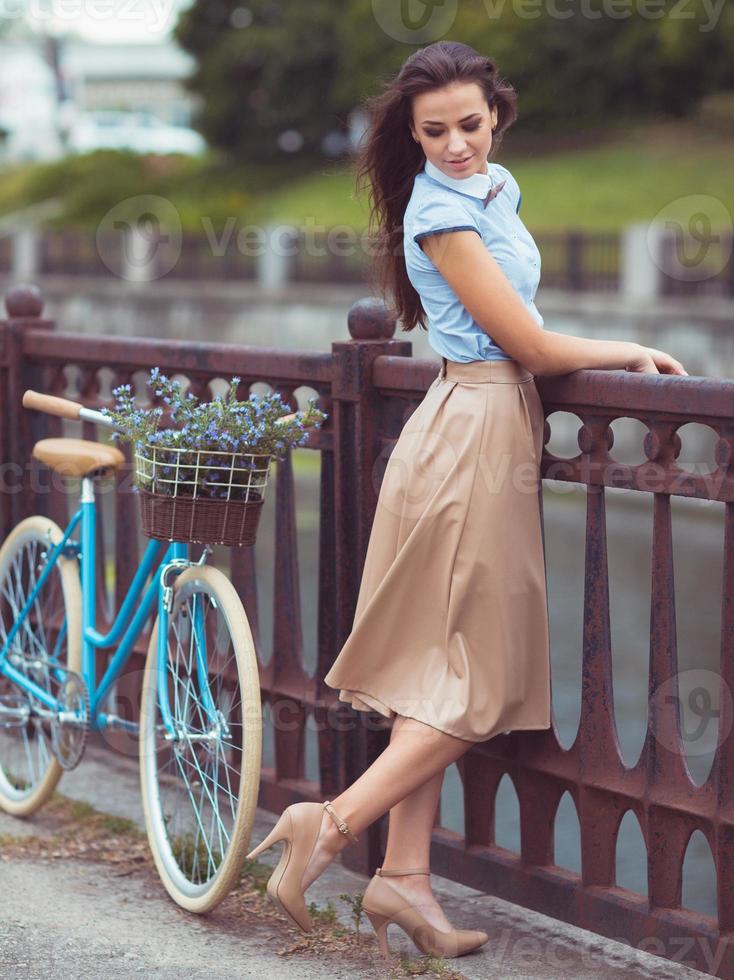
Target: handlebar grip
point(67, 409)
point(51, 404)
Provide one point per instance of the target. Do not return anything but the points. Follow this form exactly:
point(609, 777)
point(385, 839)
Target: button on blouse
point(442, 203)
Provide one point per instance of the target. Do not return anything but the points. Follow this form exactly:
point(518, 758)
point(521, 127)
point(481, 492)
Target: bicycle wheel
point(200, 786)
point(51, 635)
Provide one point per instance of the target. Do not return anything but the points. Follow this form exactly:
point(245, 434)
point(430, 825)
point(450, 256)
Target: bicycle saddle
point(77, 457)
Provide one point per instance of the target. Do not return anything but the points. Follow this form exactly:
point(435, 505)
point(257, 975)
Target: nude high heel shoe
point(298, 827)
point(383, 904)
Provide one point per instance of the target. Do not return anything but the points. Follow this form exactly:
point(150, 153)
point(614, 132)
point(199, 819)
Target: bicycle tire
point(157, 785)
point(33, 530)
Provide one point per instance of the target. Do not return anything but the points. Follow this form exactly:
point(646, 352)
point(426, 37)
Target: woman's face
point(455, 123)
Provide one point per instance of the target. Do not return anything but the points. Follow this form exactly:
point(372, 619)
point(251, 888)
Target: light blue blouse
point(442, 203)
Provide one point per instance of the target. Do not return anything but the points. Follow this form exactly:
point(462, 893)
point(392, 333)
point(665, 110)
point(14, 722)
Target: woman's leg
point(411, 821)
point(416, 754)
point(410, 828)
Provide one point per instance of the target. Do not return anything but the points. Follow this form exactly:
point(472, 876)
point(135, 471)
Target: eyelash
point(468, 129)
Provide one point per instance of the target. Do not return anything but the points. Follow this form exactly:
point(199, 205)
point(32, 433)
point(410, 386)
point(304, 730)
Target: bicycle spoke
point(192, 717)
point(44, 645)
point(194, 807)
point(202, 780)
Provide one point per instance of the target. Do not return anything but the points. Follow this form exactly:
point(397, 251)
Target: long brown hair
point(389, 158)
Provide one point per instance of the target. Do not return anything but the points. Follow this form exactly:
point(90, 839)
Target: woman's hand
point(648, 360)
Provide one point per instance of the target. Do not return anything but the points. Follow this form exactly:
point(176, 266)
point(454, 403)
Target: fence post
point(575, 261)
point(277, 257)
point(140, 262)
point(26, 253)
point(642, 261)
point(356, 446)
point(24, 305)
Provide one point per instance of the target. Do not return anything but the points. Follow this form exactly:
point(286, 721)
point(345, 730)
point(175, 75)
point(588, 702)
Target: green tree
point(264, 71)
point(304, 66)
point(582, 65)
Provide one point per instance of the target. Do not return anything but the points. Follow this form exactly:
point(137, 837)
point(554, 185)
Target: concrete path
point(61, 918)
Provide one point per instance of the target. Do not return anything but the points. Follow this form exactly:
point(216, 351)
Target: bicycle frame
point(127, 626)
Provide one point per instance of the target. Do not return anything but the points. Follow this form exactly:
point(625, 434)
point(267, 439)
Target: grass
point(640, 169)
point(317, 201)
point(605, 187)
point(80, 831)
point(306, 462)
point(120, 826)
point(79, 810)
point(190, 852)
point(609, 187)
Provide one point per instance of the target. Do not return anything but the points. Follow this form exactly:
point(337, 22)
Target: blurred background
point(185, 170)
point(206, 148)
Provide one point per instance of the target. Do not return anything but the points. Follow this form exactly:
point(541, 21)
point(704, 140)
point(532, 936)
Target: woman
point(450, 635)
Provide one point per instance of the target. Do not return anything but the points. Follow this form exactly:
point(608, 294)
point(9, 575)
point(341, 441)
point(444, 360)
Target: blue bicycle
point(200, 730)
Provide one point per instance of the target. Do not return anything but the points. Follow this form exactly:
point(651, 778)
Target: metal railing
point(368, 387)
point(573, 260)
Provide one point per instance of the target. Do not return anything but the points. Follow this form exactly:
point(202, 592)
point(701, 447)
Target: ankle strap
point(407, 871)
point(341, 824)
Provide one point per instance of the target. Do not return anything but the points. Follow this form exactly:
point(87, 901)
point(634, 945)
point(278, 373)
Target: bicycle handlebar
point(65, 408)
point(51, 404)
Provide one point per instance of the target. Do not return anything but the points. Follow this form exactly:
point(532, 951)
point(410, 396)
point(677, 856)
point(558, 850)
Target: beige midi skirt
point(451, 621)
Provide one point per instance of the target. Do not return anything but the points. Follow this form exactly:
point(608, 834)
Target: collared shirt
point(443, 203)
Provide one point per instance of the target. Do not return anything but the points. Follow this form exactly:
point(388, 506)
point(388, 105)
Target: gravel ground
point(74, 919)
point(62, 918)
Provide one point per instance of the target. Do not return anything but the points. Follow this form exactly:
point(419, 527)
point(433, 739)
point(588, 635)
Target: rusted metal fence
point(580, 261)
point(573, 260)
point(70, 252)
point(338, 255)
point(698, 266)
point(369, 385)
point(6, 253)
point(203, 258)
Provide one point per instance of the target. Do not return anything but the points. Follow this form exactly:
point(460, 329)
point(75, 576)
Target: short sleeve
point(435, 215)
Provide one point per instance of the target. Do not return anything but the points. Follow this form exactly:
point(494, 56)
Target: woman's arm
point(484, 289)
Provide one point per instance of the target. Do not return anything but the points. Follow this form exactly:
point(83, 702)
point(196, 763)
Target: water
point(312, 316)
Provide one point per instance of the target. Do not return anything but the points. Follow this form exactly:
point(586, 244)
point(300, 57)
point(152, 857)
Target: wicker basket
point(200, 496)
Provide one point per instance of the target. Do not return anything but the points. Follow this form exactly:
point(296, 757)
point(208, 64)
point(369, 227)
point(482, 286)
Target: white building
point(29, 117)
point(144, 77)
point(36, 110)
